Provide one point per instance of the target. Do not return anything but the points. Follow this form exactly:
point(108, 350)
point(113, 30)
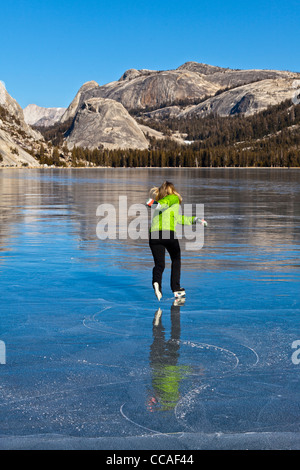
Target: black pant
point(159, 245)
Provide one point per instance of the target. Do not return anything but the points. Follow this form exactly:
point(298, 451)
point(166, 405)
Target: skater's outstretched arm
point(185, 220)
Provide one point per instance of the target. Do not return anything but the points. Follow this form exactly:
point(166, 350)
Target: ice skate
point(157, 290)
point(178, 294)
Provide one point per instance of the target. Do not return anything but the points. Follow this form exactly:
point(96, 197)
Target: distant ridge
point(38, 116)
point(132, 110)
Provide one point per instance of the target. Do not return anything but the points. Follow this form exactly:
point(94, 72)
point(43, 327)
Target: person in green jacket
point(166, 201)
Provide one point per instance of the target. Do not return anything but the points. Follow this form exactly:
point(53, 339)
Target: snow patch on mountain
point(38, 116)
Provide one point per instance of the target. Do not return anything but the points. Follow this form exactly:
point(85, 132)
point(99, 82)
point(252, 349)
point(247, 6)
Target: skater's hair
point(164, 190)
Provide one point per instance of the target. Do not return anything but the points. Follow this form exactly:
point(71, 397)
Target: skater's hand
point(201, 221)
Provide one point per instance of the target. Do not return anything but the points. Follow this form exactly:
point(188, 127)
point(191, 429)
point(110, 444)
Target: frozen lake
point(87, 359)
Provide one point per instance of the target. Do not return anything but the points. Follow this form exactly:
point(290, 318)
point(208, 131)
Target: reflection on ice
point(166, 371)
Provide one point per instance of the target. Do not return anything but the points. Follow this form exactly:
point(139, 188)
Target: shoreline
point(149, 168)
point(153, 168)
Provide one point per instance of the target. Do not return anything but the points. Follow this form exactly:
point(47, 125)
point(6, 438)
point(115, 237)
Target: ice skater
point(166, 201)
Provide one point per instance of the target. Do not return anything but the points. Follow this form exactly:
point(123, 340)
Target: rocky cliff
point(88, 90)
point(240, 92)
point(156, 89)
point(17, 139)
point(246, 99)
point(105, 123)
point(140, 89)
point(191, 83)
point(193, 89)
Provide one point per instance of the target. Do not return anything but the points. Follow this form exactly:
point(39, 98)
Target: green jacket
point(166, 215)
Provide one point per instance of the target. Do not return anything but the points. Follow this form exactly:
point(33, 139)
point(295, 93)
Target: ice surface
point(90, 360)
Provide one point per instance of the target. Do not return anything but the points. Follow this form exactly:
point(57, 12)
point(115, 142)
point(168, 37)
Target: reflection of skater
point(164, 355)
point(163, 236)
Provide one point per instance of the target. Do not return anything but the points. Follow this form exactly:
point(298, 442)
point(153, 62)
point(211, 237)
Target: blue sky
point(50, 48)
